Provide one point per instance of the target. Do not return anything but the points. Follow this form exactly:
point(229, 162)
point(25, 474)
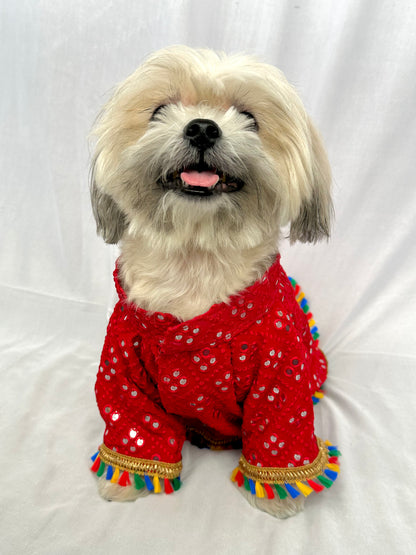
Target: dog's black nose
point(202, 133)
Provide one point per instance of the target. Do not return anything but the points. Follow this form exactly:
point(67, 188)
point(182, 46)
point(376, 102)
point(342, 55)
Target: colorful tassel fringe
point(156, 484)
point(168, 486)
point(303, 303)
point(116, 475)
point(122, 478)
point(306, 487)
point(138, 482)
point(317, 396)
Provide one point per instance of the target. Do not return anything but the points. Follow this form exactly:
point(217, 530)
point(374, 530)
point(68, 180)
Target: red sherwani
point(242, 373)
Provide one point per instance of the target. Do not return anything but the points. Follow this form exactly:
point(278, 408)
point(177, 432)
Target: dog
point(200, 160)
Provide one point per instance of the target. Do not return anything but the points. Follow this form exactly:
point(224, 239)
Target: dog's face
point(197, 148)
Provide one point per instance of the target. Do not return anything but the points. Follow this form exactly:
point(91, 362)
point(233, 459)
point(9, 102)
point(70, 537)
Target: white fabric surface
point(354, 65)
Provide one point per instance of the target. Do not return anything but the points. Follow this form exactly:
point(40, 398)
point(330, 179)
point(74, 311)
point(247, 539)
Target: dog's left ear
point(313, 221)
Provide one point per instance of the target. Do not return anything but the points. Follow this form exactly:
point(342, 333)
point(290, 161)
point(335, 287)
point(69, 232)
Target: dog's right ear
point(111, 222)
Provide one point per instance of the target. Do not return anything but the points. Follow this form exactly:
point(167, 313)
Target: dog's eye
point(252, 118)
point(157, 111)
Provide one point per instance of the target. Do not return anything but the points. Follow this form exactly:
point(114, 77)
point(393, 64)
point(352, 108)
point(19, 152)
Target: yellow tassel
point(300, 296)
point(156, 484)
point(259, 490)
point(334, 467)
point(234, 474)
point(312, 323)
point(116, 476)
point(328, 443)
point(319, 395)
point(303, 488)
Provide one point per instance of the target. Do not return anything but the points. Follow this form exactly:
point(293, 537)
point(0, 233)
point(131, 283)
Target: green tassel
point(176, 483)
point(334, 453)
point(282, 493)
point(246, 483)
point(100, 471)
point(305, 309)
point(315, 335)
point(138, 482)
point(325, 481)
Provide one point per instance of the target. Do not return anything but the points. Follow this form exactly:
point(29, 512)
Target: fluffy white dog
point(200, 160)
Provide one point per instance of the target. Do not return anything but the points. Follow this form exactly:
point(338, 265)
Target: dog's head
point(204, 149)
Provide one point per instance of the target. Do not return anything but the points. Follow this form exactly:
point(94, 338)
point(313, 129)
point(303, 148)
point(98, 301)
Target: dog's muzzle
point(200, 179)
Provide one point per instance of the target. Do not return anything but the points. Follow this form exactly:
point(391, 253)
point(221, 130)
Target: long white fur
point(181, 255)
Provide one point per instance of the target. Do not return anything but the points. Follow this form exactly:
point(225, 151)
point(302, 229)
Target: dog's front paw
point(114, 492)
point(279, 508)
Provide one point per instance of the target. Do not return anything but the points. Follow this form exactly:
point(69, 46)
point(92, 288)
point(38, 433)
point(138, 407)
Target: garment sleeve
point(281, 454)
point(141, 441)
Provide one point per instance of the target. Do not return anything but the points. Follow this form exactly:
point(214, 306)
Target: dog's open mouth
point(201, 181)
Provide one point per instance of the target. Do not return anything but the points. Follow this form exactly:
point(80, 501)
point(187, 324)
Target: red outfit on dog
point(243, 371)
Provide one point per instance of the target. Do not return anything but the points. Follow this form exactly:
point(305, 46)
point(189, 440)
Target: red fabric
point(244, 370)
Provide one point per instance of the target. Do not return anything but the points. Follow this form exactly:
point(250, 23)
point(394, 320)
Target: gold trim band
point(290, 475)
point(140, 466)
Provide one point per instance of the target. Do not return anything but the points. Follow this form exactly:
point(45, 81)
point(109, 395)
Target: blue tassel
point(149, 483)
point(252, 486)
point(314, 330)
point(332, 447)
point(331, 474)
point(110, 472)
point(303, 302)
point(292, 491)
point(315, 400)
point(94, 456)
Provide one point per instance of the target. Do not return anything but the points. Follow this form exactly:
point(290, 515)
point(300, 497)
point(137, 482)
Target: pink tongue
point(200, 179)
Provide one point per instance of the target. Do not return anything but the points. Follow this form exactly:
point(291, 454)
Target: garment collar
point(221, 322)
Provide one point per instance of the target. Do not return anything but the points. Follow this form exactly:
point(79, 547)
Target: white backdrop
point(354, 64)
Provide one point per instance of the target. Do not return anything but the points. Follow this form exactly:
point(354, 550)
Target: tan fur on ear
point(314, 219)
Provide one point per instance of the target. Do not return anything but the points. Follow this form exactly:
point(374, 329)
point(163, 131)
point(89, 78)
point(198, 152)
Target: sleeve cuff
point(156, 476)
point(293, 481)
